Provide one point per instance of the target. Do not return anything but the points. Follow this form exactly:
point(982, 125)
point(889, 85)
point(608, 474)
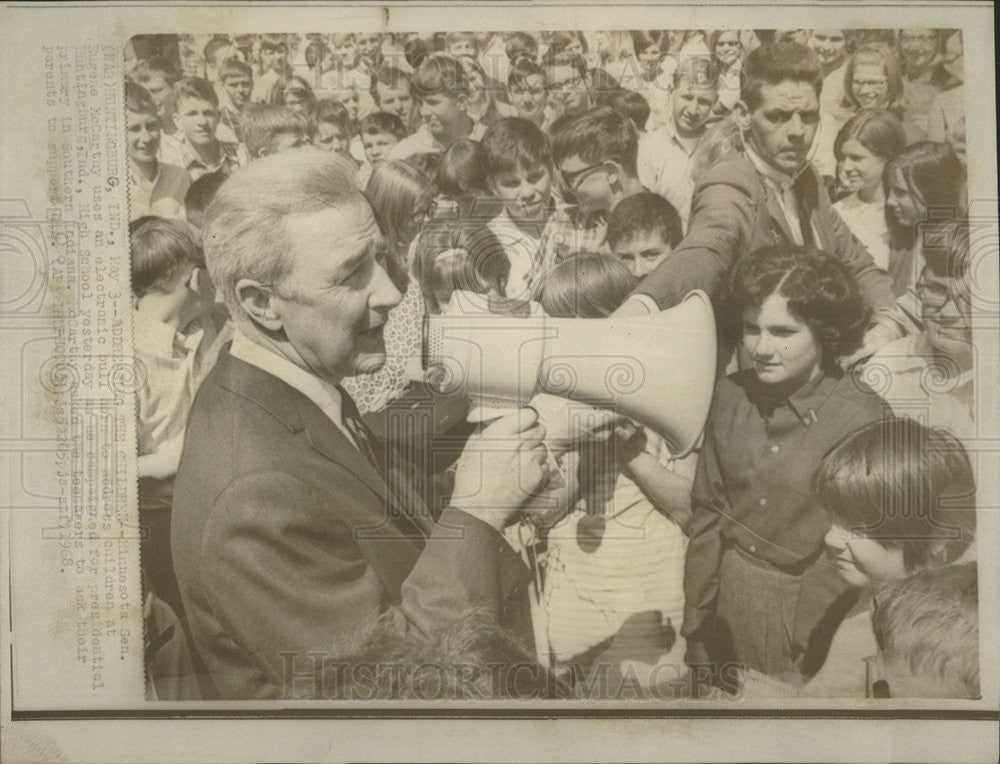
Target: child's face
point(863, 561)
point(143, 134)
point(728, 48)
point(692, 107)
point(904, 205)
point(271, 58)
point(377, 145)
point(462, 48)
point(443, 114)
point(860, 168)
point(643, 251)
point(650, 56)
point(829, 45)
point(525, 192)
point(369, 45)
point(782, 346)
point(345, 52)
point(567, 87)
point(295, 101)
point(331, 137)
point(238, 88)
point(529, 97)
point(398, 101)
point(917, 47)
point(197, 119)
point(158, 88)
point(947, 313)
point(870, 85)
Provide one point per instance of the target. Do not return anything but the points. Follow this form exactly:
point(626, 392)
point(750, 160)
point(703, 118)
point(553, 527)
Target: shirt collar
point(805, 401)
point(320, 392)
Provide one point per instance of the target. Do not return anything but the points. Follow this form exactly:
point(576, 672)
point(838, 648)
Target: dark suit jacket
point(732, 214)
point(287, 541)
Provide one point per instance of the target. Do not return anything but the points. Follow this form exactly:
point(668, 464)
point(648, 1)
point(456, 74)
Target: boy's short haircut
point(644, 213)
point(452, 37)
point(198, 196)
point(779, 62)
point(213, 46)
point(521, 46)
point(339, 38)
point(521, 69)
point(439, 73)
point(147, 70)
point(700, 71)
point(461, 169)
point(273, 41)
point(514, 143)
point(233, 67)
point(259, 123)
point(585, 285)
point(928, 626)
point(160, 250)
point(903, 485)
point(332, 112)
point(633, 105)
point(415, 51)
point(597, 135)
point(383, 122)
point(196, 88)
point(138, 100)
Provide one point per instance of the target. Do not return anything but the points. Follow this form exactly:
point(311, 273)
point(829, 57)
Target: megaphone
point(657, 369)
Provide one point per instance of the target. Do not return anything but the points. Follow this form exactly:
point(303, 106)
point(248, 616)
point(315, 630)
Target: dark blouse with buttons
point(751, 488)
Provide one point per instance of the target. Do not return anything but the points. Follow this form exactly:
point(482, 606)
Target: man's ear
point(613, 170)
point(258, 303)
point(462, 102)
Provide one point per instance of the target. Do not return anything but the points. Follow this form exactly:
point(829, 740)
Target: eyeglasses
point(874, 84)
point(570, 84)
point(572, 179)
point(936, 296)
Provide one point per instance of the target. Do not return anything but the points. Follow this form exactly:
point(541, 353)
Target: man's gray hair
point(244, 230)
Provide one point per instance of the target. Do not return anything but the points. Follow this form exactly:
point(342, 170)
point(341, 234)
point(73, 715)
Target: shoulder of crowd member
point(855, 398)
point(737, 171)
point(729, 392)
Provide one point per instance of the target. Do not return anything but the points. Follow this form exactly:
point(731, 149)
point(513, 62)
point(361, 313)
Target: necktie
point(363, 438)
point(804, 204)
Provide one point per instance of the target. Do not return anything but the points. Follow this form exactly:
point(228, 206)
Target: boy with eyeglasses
point(595, 157)
point(931, 373)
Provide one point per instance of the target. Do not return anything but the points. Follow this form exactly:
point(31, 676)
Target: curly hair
point(819, 288)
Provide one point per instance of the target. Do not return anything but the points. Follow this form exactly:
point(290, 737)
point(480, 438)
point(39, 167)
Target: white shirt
point(664, 165)
point(171, 362)
point(522, 250)
point(320, 392)
point(907, 375)
point(867, 222)
point(780, 185)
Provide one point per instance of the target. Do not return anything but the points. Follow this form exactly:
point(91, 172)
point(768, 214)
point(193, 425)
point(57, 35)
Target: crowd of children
point(829, 513)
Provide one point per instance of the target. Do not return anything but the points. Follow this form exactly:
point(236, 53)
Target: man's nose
point(384, 293)
point(796, 126)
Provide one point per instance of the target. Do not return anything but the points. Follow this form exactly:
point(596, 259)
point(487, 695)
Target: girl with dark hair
point(864, 145)
point(924, 186)
point(757, 589)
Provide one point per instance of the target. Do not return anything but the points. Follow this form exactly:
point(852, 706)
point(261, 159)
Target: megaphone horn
point(657, 369)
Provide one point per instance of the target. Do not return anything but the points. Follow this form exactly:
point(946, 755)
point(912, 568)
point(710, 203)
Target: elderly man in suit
point(768, 194)
point(291, 530)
